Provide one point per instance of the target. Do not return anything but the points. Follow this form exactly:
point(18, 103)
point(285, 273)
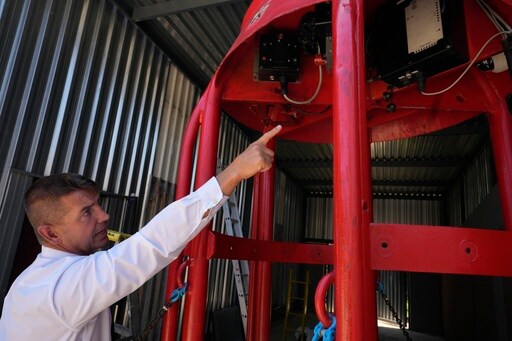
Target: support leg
point(354, 292)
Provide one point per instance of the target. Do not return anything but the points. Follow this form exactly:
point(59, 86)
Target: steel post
point(265, 232)
point(500, 125)
point(170, 321)
point(351, 226)
point(195, 304)
point(253, 268)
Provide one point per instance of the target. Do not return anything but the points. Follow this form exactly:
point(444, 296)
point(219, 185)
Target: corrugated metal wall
point(221, 284)
point(471, 188)
point(425, 212)
point(289, 224)
point(83, 90)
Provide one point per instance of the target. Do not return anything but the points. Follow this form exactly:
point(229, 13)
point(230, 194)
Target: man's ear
point(48, 234)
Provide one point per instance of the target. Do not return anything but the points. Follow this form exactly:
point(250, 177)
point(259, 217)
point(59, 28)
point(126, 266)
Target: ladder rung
point(296, 314)
point(299, 282)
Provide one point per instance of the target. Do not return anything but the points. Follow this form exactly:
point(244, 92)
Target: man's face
point(82, 227)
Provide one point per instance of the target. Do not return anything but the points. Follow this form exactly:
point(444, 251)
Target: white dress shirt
point(63, 296)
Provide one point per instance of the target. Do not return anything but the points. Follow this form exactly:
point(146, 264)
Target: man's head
point(65, 214)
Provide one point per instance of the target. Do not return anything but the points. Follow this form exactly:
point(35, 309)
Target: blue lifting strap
point(178, 293)
point(320, 333)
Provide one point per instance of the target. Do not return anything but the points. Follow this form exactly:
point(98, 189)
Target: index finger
point(269, 134)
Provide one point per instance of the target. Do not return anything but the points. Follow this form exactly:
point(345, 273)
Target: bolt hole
point(384, 245)
point(459, 98)
point(468, 250)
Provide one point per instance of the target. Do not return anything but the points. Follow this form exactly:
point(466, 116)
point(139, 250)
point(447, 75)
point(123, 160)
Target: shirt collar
point(53, 253)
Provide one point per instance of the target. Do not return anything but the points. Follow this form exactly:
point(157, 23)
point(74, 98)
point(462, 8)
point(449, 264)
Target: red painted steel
point(500, 125)
point(195, 303)
point(181, 272)
point(355, 115)
point(184, 178)
point(227, 247)
point(441, 249)
point(320, 295)
point(351, 258)
point(265, 232)
point(253, 292)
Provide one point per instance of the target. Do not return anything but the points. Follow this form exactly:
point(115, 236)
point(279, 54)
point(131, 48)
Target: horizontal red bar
point(441, 249)
point(227, 247)
point(415, 248)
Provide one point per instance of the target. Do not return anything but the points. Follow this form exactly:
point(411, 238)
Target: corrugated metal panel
point(289, 224)
point(91, 86)
point(425, 147)
point(179, 102)
point(319, 221)
point(398, 211)
point(83, 90)
point(289, 211)
point(221, 287)
point(12, 214)
point(196, 40)
point(472, 187)
point(319, 225)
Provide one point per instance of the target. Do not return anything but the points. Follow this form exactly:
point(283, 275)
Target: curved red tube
point(320, 294)
point(181, 271)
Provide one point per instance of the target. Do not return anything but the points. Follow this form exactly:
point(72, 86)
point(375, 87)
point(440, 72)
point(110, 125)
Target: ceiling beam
point(167, 8)
point(453, 162)
point(384, 195)
point(394, 183)
point(410, 183)
point(408, 196)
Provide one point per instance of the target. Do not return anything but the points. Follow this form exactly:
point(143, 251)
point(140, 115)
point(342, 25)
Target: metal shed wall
point(471, 188)
point(426, 212)
point(83, 90)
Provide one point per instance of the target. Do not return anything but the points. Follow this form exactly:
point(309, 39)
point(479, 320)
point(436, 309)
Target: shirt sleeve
point(93, 283)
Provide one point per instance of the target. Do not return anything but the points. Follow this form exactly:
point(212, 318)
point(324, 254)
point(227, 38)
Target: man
point(66, 293)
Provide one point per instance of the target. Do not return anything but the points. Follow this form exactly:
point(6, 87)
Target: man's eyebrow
point(85, 208)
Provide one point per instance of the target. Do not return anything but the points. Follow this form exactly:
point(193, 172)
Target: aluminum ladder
point(240, 267)
point(291, 298)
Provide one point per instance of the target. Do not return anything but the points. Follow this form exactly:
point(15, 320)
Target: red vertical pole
point(265, 232)
point(500, 126)
point(195, 303)
point(353, 294)
point(253, 276)
point(370, 277)
point(170, 322)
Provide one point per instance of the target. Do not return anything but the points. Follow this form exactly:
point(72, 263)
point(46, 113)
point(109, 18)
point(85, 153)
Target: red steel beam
point(415, 248)
point(500, 126)
point(228, 247)
point(441, 249)
point(265, 232)
point(320, 295)
point(195, 303)
point(253, 292)
point(184, 177)
point(351, 258)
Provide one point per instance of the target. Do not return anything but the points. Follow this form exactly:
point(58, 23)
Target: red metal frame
point(356, 117)
point(320, 295)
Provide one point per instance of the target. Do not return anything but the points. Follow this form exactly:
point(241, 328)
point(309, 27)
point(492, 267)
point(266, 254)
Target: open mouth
point(101, 233)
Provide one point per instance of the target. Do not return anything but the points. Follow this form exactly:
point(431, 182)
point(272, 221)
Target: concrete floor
point(387, 331)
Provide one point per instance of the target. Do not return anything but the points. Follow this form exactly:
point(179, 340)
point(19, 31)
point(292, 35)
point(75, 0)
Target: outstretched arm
point(256, 158)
